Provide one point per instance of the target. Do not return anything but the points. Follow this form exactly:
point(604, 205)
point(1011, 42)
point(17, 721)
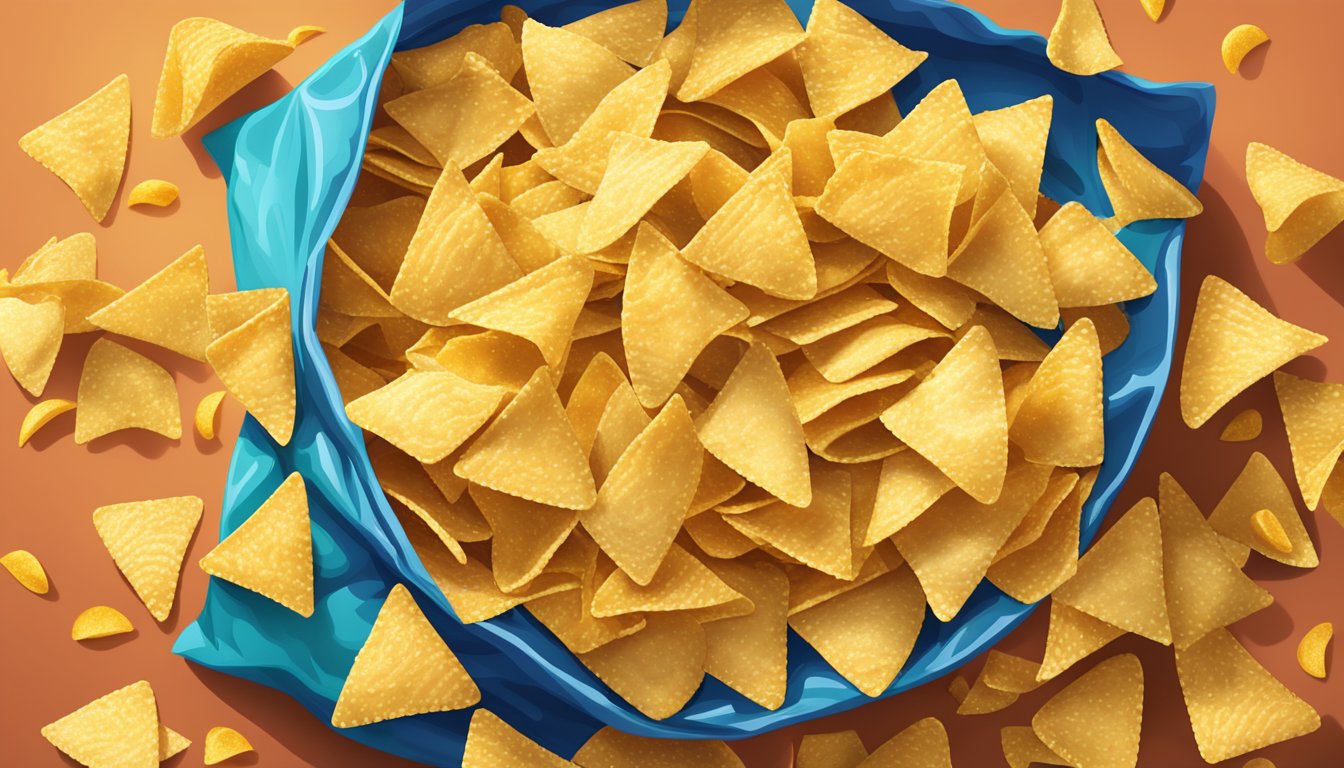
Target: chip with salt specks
point(1235, 704)
point(1204, 589)
point(875, 117)
point(1059, 418)
point(541, 306)
point(1073, 635)
point(271, 553)
point(1137, 188)
point(750, 653)
point(40, 415)
point(1023, 748)
point(1089, 267)
point(100, 621)
point(71, 258)
point(1078, 43)
point(588, 399)
point(376, 237)
point(1233, 343)
point(1111, 321)
point(810, 155)
point(734, 37)
point(254, 358)
point(1035, 570)
point(1259, 488)
point(493, 743)
point(1313, 415)
point(681, 583)
point(119, 730)
point(568, 615)
point(909, 484)
point(455, 255)
point(171, 742)
point(348, 290)
point(610, 748)
point(420, 68)
point(1240, 41)
point(753, 428)
point(86, 145)
point(26, 570)
point(847, 62)
point(121, 389)
point(408, 482)
point(147, 540)
point(817, 535)
point(30, 339)
point(1014, 140)
point(921, 745)
point(1002, 258)
point(490, 358)
point(1312, 647)
point(530, 451)
point(208, 61)
point(568, 75)
point(1095, 720)
point(842, 749)
point(945, 300)
point(658, 668)
point(403, 668)
point(1301, 205)
point(167, 309)
point(974, 452)
point(632, 31)
point(155, 192)
point(656, 472)
point(670, 312)
point(639, 172)
point(524, 535)
point(1243, 427)
point(223, 743)
point(1013, 339)
point(980, 699)
point(925, 191)
point(766, 101)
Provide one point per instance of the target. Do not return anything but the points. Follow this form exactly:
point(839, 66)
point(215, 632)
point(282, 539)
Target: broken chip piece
point(222, 743)
point(155, 192)
point(100, 621)
point(1239, 41)
point(1312, 647)
point(26, 570)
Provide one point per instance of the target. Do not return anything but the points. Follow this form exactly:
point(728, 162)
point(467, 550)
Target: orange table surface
point(56, 53)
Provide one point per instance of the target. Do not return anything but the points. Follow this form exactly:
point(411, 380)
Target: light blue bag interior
point(290, 168)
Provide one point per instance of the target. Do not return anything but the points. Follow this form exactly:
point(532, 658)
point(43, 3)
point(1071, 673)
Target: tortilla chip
point(1058, 420)
point(1014, 140)
point(119, 730)
point(1023, 748)
point(30, 339)
point(147, 540)
point(1301, 205)
point(734, 37)
point(493, 743)
point(1138, 189)
point(255, 362)
point(843, 749)
point(1038, 568)
point(426, 67)
point(86, 145)
point(1089, 267)
point(632, 31)
point(942, 299)
point(121, 389)
point(1078, 43)
point(1260, 488)
point(1073, 635)
point(1002, 258)
point(923, 744)
point(426, 414)
point(168, 309)
point(657, 669)
point(541, 307)
point(568, 74)
point(1312, 416)
point(846, 61)
point(1095, 719)
point(681, 583)
point(639, 172)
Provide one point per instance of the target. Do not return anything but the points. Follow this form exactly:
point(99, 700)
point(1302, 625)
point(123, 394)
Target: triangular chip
point(1073, 636)
point(866, 633)
point(404, 668)
point(493, 743)
point(734, 37)
point(524, 535)
point(1301, 205)
point(658, 668)
point(119, 730)
point(945, 300)
point(639, 172)
point(1204, 589)
point(1037, 568)
point(30, 339)
point(1236, 705)
point(1095, 720)
point(632, 31)
point(271, 552)
point(147, 540)
point(208, 61)
point(1022, 748)
point(85, 146)
point(427, 414)
point(753, 428)
point(1059, 417)
point(846, 61)
point(71, 258)
point(455, 255)
point(1002, 258)
point(941, 128)
point(541, 306)
point(376, 237)
point(426, 67)
point(1233, 343)
point(168, 309)
point(921, 745)
point(682, 583)
point(817, 535)
point(569, 74)
point(121, 389)
point(1089, 267)
point(1313, 415)
point(908, 486)
point(1260, 487)
point(1138, 189)
point(750, 653)
point(1243, 427)
point(973, 451)
point(255, 362)
point(530, 451)
point(1136, 603)
point(1014, 140)
point(171, 742)
point(588, 400)
point(669, 314)
point(842, 749)
point(1078, 43)
point(645, 497)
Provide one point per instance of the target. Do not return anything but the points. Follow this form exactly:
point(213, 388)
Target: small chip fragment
point(1258, 511)
point(40, 415)
point(100, 621)
point(1243, 427)
point(1241, 40)
point(1078, 42)
point(86, 145)
point(222, 743)
point(26, 570)
point(155, 192)
point(206, 412)
point(493, 743)
point(1311, 649)
point(119, 730)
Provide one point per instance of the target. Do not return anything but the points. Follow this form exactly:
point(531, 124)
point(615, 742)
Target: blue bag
point(290, 169)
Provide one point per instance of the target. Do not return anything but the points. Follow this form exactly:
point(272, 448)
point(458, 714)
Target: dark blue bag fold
point(290, 169)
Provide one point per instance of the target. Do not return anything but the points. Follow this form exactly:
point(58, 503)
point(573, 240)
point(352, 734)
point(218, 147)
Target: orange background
point(55, 54)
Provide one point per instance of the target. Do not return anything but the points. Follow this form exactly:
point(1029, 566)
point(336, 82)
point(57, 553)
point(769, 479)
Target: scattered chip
point(1301, 204)
point(30, 339)
point(253, 355)
point(40, 415)
point(168, 309)
point(86, 145)
point(1241, 40)
point(100, 621)
point(1089, 267)
point(1078, 43)
point(1258, 511)
point(842, 749)
point(26, 570)
point(1137, 188)
point(271, 552)
point(1243, 427)
point(222, 743)
point(922, 744)
point(1313, 414)
point(207, 411)
point(119, 730)
point(1233, 343)
point(147, 540)
point(1073, 636)
point(171, 742)
point(155, 192)
point(493, 743)
point(1312, 647)
point(1023, 748)
point(121, 389)
point(1095, 719)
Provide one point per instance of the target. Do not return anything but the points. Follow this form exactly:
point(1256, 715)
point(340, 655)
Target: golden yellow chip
point(346, 289)
point(1089, 267)
point(1243, 427)
point(767, 103)
point(40, 415)
point(86, 145)
point(1073, 635)
point(1014, 141)
point(1138, 189)
point(657, 669)
point(1301, 205)
point(100, 621)
point(1058, 420)
point(1153, 8)
point(222, 743)
point(155, 192)
point(681, 583)
point(1312, 647)
point(1078, 43)
point(171, 742)
point(1258, 511)
point(1022, 748)
point(1204, 589)
point(980, 699)
point(493, 743)
point(749, 653)
point(1136, 603)
point(73, 258)
point(1235, 705)
point(524, 535)
point(942, 299)
point(1312, 416)
point(811, 159)
point(632, 31)
point(271, 553)
point(399, 140)
point(588, 399)
point(847, 62)
point(119, 730)
point(530, 451)
point(753, 428)
point(168, 309)
point(255, 359)
point(206, 412)
point(568, 74)
point(541, 307)
point(841, 356)
point(734, 37)
point(1042, 512)
point(610, 748)
point(973, 452)
point(922, 745)
point(639, 172)
point(817, 535)
point(867, 184)
point(866, 633)
point(455, 255)
point(1002, 258)
point(1012, 338)
point(909, 485)
point(1233, 343)
point(1270, 531)
point(1037, 568)
point(26, 570)
point(377, 237)
point(842, 749)
point(207, 62)
point(1240, 41)
point(121, 389)
point(427, 67)
point(147, 540)
point(30, 339)
point(1095, 719)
